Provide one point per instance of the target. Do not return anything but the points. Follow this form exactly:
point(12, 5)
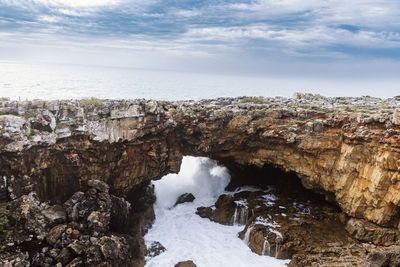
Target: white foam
point(187, 236)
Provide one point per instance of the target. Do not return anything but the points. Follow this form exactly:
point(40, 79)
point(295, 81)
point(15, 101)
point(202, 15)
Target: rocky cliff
point(345, 148)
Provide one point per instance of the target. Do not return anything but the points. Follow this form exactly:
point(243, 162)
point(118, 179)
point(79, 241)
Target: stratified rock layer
point(345, 148)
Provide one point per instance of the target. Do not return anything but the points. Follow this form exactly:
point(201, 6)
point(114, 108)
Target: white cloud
point(298, 38)
point(187, 13)
point(78, 3)
point(50, 19)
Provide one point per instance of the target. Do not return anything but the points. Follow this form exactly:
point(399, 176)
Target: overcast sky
point(319, 38)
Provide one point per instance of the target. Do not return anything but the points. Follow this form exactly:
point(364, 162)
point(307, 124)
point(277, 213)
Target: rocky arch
point(352, 157)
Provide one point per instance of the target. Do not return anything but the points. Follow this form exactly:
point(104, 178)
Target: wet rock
point(223, 212)
point(185, 264)
point(186, 197)
point(204, 212)
point(115, 250)
point(228, 210)
point(155, 249)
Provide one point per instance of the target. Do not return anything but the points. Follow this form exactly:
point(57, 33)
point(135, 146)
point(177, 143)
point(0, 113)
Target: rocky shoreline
point(345, 149)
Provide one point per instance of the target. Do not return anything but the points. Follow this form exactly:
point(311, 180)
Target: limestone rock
point(368, 232)
point(344, 148)
point(396, 117)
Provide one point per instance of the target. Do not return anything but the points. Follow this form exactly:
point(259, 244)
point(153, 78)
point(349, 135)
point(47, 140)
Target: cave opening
point(180, 234)
point(263, 209)
point(286, 183)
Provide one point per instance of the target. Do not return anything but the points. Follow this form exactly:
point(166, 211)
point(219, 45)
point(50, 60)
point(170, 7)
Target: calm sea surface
point(32, 81)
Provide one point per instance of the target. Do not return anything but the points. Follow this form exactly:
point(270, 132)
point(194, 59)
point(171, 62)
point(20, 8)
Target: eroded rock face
point(304, 228)
point(75, 234)
point(346, 148)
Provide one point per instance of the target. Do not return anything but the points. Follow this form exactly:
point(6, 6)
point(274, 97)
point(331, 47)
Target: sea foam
point(187, 236)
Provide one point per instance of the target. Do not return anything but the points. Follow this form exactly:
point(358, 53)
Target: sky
point(336, 39)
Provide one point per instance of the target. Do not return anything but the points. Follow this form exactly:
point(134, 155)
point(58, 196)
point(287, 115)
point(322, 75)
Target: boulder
point(155, 249)
point(55, 214)
point(55, 233)
point(186, 197)
point(99, 185)
point(185, 264)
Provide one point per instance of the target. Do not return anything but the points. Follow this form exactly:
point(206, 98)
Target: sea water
point(187, 236)
point(56, 81)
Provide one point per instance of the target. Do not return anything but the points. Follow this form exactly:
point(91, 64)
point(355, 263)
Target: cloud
point(327, 30)
point(64, 3)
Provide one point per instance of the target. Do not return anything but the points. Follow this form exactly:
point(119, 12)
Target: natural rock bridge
point(345, 148)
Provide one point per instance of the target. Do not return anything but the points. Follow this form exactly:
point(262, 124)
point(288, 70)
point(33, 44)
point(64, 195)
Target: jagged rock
point(64, 257)
point(92, 208)
point(114, 249)
point(77, 247)
point(185, 264)
point(55, 214)
point(83, 239)
point(155, 249)
point(368, 232)
point(119, 213)
point(93, 256)
point(353, 159)
point(204, 212)
point(225, 210)
point(99, 185)
point(381, 258)
point(186, 197)
point(76, 262)
point(55, 233)
point(305, 134)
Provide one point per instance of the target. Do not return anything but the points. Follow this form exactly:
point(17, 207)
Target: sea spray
point(240, 218)
point(246, 237)
point(243, 215)
point(266, 247)
point(234, 218)
point(187, 236)
point(200, 176)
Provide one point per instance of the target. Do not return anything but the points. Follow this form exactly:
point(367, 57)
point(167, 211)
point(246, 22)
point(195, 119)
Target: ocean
point(26, 81)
